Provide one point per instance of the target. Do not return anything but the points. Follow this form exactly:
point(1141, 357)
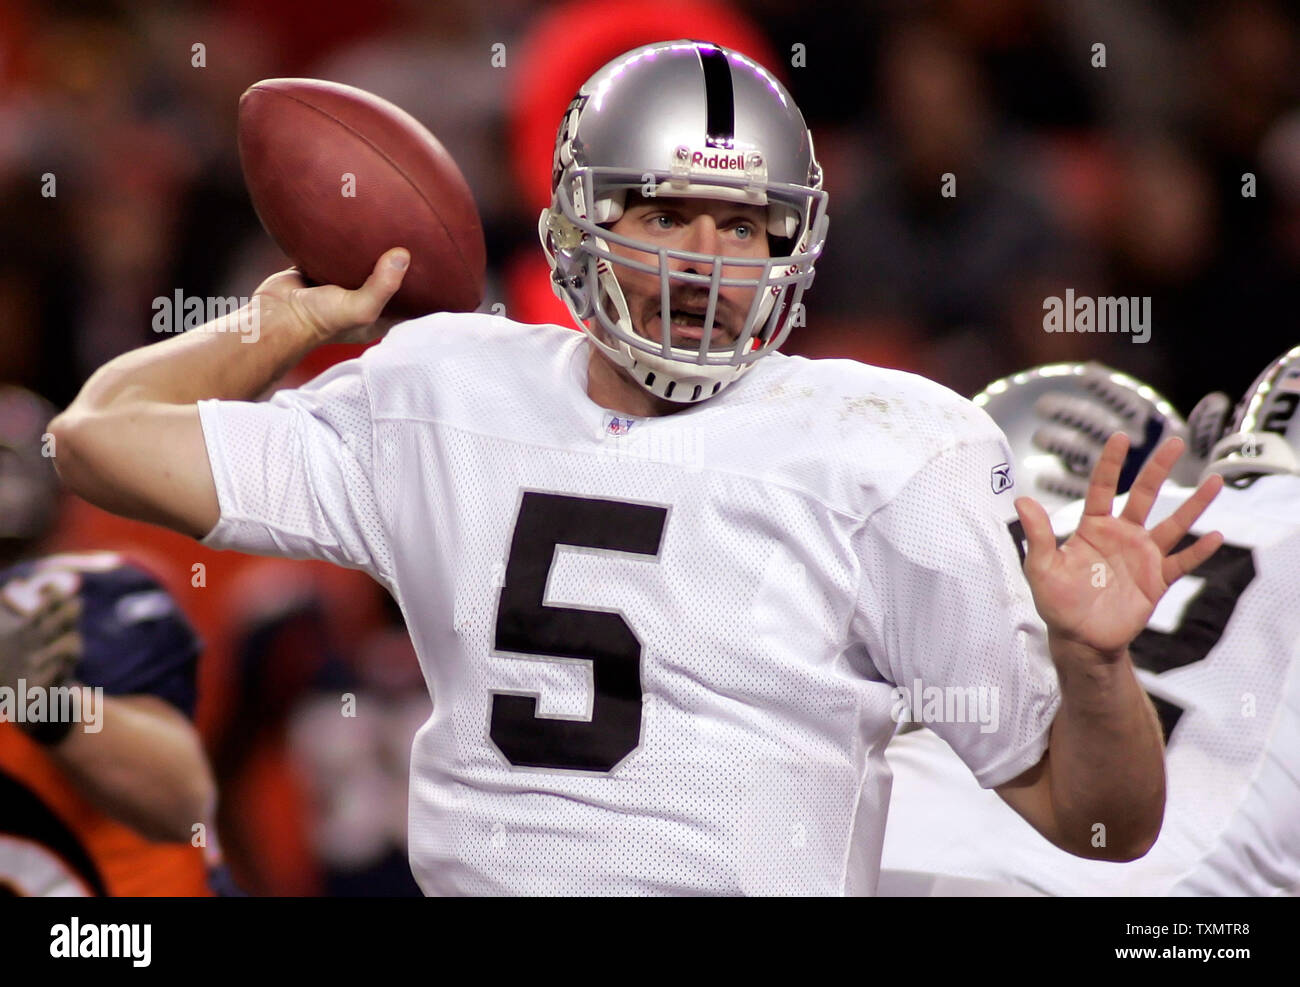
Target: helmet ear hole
point(780, 246)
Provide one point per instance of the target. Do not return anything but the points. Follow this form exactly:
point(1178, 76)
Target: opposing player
point(662, 579)
point(104, 801)
point(1220, 658)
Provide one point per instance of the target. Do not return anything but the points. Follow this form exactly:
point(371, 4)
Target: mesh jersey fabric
point(829, 530)
point(1232, 769)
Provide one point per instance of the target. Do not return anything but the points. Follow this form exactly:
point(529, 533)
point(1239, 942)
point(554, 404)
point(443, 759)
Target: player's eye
point(743, 231)
point(662, 221)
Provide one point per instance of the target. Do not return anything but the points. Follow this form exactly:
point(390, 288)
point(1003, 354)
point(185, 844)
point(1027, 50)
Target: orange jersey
point(54, 842)
point(135, 641)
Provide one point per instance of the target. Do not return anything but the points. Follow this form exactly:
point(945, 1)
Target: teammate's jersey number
point(1226, 573)
point(1283, 411)
point(526, 626)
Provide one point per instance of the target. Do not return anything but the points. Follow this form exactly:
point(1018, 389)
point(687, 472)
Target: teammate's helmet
point(683, 119)
point(1057, 418)
point(29, 486)
point(1264, 435)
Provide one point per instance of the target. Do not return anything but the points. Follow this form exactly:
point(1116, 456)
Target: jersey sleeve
point(947, 615)
point(294, 475)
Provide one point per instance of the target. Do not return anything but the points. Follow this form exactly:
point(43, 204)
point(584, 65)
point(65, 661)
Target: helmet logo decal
point(720, 99)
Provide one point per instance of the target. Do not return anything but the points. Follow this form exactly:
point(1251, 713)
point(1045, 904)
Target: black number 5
point(526, 626)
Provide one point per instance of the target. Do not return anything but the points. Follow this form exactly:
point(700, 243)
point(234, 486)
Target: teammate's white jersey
point(661, 651)
point(1221, 660)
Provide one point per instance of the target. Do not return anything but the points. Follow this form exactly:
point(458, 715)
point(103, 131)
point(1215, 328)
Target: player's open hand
point(329, 313)
point(1100, 588)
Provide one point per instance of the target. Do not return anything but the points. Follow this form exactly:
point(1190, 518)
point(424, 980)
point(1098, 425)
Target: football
point(338, 175)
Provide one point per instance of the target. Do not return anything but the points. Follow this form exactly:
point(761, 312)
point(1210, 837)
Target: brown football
point(338, 175)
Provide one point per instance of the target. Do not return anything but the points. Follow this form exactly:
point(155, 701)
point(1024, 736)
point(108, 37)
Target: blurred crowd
point(1144, 148)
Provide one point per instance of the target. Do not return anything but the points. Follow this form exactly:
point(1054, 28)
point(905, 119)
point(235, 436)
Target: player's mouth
point(687, 328)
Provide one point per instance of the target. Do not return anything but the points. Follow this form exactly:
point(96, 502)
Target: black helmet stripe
point(720, 127)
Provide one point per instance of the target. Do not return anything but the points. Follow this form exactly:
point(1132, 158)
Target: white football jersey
point(662, 652)
point(1221, 660)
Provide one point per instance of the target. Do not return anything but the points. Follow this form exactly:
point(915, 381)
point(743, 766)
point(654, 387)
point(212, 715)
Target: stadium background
point(1118, 180)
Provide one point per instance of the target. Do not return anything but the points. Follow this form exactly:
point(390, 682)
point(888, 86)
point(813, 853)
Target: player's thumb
point(1039, 539)
point(369, 300)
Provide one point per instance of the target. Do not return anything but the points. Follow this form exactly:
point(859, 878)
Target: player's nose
point(702, 237)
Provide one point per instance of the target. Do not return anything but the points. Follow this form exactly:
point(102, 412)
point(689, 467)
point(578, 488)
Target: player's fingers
point(51, 663)
point(68, 647)
point(60, 617)
point(1146, 487)
point(1167, 532)
point(50, 600)
point(1105, 476)
point(1039, 538)
point(365, 304)
point(1181, 563)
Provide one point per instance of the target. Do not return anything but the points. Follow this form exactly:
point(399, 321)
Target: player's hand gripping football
point(328, 313)
point(1099, 589)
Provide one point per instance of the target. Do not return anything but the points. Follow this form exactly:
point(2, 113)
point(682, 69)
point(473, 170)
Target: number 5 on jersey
point(526, 626)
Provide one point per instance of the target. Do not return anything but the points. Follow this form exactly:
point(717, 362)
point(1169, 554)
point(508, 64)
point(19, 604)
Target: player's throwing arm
point(132, 443)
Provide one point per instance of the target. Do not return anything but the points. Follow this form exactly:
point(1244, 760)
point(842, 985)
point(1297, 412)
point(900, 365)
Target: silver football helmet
point(682, 119)
point(1264, 434)
point(1057, 419)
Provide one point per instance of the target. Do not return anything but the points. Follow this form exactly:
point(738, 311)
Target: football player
point(1220, 657)
point(107, 804)
point(665, 582)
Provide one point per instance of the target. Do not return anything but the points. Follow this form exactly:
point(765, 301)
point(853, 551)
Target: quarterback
point(663, 580)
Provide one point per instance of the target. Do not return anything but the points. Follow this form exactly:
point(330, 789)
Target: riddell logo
point(718, 162)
